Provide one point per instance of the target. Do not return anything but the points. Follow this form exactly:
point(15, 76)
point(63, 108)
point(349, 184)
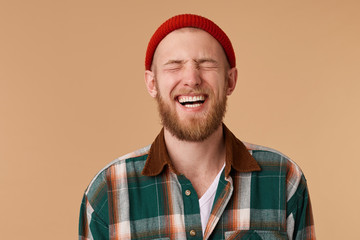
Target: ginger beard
point(198, 127)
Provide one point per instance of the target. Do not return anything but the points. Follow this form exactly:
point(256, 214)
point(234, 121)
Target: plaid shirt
point(261, 195)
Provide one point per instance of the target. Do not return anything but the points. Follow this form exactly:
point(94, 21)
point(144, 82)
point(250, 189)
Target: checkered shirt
point(261, 194)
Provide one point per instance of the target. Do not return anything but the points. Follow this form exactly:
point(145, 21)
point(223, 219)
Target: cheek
point(166, 84)
point(164, 90)
point(216, 83)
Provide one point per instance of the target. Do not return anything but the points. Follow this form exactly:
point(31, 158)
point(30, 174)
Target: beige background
point(72, 99)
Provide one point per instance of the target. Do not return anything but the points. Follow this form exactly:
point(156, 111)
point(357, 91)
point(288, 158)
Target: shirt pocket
point(256, 235)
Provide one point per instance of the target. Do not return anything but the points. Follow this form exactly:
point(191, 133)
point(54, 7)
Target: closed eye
point(173, 68)
point(207, 64)
point(173, 65)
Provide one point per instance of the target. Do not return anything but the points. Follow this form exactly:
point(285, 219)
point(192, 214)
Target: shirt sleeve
point(94, 212)
point(91, 225)
point(300, 223)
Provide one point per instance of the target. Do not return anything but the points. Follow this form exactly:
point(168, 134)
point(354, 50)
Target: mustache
point(195, 91)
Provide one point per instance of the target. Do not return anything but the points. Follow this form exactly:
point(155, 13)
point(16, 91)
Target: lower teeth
point(193, 105)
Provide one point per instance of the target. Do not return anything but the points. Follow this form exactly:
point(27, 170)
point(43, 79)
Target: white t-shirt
point(207, 200)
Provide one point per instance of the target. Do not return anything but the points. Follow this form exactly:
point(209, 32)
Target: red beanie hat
point(189, 20)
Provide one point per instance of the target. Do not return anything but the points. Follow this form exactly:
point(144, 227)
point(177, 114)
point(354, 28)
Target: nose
point(191, 76)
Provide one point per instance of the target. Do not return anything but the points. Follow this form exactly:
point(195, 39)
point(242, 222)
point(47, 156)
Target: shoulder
point(273, 162)
point(265, 154)
point(271, 158)
point(129, 164)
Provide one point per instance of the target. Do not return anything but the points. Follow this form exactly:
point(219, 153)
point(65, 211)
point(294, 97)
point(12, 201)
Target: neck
point(198, 161)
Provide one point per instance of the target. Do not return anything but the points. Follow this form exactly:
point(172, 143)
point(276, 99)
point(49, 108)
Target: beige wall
point(72, 99)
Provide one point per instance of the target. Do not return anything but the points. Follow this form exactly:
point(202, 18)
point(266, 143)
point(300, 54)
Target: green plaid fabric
point(271, 202)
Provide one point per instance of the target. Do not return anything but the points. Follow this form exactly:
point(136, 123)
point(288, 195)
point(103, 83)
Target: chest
point(244, 208)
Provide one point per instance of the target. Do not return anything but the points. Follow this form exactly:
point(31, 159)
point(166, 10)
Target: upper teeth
point(184, 99)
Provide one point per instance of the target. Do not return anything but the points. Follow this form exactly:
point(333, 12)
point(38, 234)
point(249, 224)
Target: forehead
point(189, 43)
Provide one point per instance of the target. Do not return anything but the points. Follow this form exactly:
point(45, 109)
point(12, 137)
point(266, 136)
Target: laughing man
point(196, 180)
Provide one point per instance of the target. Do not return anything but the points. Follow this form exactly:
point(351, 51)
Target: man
point(197, 180)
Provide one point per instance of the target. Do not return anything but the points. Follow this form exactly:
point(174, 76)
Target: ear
point(232, 79)
point(150, 83)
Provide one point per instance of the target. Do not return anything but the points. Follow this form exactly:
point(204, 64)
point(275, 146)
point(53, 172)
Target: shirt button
point(192, 233)
point(187, 192)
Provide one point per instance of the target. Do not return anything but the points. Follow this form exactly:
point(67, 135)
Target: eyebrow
point(204, 60)
point(174, 62)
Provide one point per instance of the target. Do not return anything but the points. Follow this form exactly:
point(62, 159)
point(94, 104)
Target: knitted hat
point(189, 20)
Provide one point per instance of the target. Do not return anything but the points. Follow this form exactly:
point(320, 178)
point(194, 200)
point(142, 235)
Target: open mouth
point(191, 101)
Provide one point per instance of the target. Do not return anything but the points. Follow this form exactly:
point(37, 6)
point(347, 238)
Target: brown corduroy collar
point(237, 156)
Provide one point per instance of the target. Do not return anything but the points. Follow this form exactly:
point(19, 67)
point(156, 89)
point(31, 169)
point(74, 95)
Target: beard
point(200, 126)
